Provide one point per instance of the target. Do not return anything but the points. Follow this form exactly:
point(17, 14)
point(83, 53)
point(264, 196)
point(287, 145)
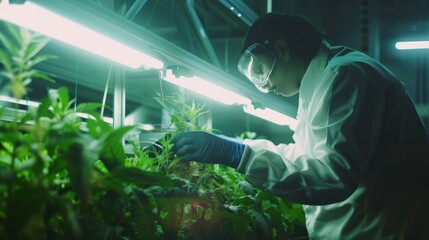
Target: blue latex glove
point(205, 147)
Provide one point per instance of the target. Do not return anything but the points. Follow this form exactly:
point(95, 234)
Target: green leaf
point(90, 108)
point(98, 128)
point(264, 195)
point(9, 45)
point(174, 163)
point(260, 222)
point(59, 99)
point(43, 109)
point(38, 59)
point(14, 32)
point(26, 81)
point(247, 201)
point(26, 37)
point(27, 117)
point(17, 61)
point(35, 47)
point(210, 178)
point(7, 75)
point(113, 154)
point(63, 97)
point(5, 60)
point(296, 213)
point(142, 178)
point(43, 76)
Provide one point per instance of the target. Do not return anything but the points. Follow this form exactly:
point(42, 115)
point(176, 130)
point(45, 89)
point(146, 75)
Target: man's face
point(284, 79)
point(268, 71)
point(257, 63)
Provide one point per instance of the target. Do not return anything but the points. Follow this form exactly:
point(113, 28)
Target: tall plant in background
point(62, 177)
point(19, 57)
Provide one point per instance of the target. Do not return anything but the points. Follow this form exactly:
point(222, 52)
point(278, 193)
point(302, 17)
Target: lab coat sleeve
point(344, 129)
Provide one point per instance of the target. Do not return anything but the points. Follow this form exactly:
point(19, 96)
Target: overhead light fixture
point(271, 115)
point(41, 20)
point(147, 127)
point(222, 95)
point(205, 88)
point(29, 103)
point(412, 45)
point(8, 99)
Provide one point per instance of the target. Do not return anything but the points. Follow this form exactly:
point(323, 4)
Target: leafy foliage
point(66, 177)
point(19, 57)
point(230, 206)
point(185, 116)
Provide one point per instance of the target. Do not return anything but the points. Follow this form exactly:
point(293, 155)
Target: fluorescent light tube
point(147, 127)
point(412, 45)
point(18, 101)
point(271, 115)
point(30, 103)
point(206, 88)
point(222, 95)
point(38, 19)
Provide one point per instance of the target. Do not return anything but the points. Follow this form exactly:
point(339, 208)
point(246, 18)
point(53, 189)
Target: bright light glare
point(207, 89)
point(412, 45)
point(271, 115)
point(147, 127)
point(38, 19)
point(19, 101)
point(129, 120)
point(30, 103)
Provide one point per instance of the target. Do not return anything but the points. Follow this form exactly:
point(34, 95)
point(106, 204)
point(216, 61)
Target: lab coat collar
point(314, 72)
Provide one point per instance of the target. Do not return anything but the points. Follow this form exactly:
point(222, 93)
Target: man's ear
point(282, 49)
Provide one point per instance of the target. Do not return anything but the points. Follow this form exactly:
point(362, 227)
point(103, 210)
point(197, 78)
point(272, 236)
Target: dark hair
point(302, 38)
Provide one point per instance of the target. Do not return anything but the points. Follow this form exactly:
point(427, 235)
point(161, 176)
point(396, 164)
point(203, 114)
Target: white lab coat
point(351, 108)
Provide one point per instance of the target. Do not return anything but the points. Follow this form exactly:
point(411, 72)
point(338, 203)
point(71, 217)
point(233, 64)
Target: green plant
point(185, 115)
point(19, 57)
point(225, 204)
point(67, 177)
point(64, 177)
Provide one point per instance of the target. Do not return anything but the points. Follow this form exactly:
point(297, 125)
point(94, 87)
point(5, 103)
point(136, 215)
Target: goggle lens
point(256, 64)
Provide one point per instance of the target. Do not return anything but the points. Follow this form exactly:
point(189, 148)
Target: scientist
point(352, 113)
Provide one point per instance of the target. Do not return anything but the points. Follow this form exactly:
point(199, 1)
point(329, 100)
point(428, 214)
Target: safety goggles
point(257, 63)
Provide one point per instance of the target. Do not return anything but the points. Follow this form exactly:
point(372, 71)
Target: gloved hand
point(205, 147)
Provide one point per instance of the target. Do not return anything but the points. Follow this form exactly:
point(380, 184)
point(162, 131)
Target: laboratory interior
point(202, 40)
point(123, 56)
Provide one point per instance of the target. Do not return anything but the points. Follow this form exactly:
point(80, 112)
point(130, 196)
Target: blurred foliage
point(18, 57)
point(66, 177)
